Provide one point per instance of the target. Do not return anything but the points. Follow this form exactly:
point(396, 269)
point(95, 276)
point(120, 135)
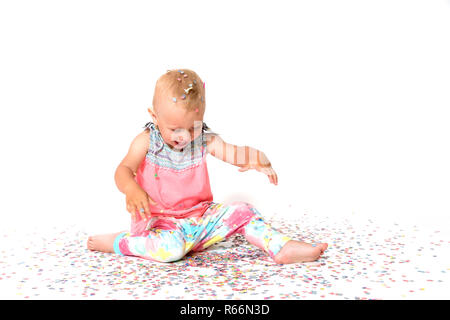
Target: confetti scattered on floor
point(364, 260)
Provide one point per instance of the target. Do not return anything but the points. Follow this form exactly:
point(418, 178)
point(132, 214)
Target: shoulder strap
point(156, 143)
point(149, 125)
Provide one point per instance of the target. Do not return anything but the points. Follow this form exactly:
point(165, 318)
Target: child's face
point(178, 127)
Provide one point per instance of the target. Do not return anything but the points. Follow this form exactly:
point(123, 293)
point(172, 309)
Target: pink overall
point(186, 218)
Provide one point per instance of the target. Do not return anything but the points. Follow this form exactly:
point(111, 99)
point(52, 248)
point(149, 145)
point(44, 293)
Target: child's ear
point(153, 115)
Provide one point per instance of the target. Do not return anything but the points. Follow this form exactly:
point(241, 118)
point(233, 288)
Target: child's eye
point(192, 129)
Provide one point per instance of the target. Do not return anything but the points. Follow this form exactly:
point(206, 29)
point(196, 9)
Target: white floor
point(366, 259)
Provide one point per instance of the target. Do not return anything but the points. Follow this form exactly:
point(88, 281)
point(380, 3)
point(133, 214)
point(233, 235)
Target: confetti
point(364, 261)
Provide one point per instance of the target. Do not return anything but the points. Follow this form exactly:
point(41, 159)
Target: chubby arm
point(244, 157)
point(124, 176)
point(137, 200)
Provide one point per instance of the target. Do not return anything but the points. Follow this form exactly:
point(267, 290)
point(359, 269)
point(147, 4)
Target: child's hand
point(263, 166)
point(137, 199)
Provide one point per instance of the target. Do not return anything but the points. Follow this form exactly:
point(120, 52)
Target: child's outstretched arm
point(244, 157)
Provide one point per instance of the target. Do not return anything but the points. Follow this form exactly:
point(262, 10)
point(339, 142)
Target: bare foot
point(297, 251)
point(102, 242)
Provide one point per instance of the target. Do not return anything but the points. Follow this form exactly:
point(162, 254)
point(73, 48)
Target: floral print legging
point(168, 239)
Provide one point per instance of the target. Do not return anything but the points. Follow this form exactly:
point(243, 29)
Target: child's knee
point(246, 209)
point(242, 206)
point(174, 255)
point(243, 213)
point(174, 251)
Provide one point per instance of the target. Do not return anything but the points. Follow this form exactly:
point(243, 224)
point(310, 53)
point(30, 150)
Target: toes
point(90, 243)
point(323, 247)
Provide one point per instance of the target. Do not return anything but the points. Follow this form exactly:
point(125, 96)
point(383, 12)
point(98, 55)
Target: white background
point(349, 100)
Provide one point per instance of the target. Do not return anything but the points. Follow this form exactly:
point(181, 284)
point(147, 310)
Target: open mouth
point(180, 145)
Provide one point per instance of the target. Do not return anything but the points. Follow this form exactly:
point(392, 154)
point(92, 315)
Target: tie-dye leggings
point(169, 239)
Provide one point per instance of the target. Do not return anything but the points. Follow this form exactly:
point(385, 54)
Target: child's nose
point(182, 136)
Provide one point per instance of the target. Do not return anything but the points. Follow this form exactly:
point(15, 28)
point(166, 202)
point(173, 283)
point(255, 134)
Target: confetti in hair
point(181, 86)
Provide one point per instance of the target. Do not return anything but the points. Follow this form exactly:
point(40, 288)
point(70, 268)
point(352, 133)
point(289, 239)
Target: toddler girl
point(165, 179)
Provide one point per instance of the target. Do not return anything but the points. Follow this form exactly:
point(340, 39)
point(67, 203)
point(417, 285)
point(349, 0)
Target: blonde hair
point(179, 83)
